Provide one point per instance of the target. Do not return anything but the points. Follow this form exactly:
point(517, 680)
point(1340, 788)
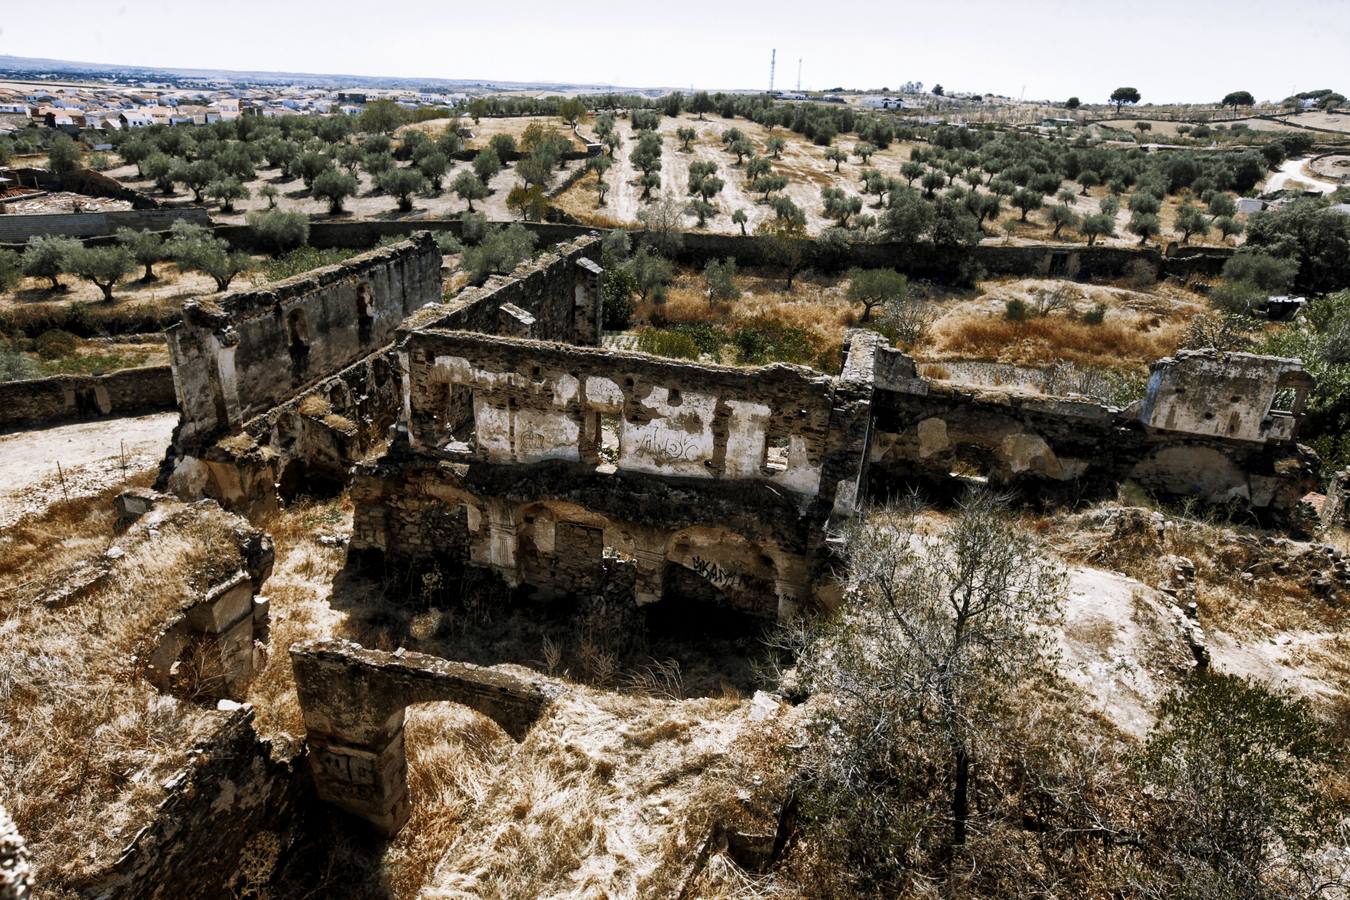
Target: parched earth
point(39, 468)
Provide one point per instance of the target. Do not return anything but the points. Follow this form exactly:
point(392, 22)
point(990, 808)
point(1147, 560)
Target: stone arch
point(718, 568)
point(353, 700)
point(1195, 470)
point(560, 546)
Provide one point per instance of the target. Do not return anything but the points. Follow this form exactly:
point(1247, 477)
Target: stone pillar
point(226, 616)
point(588, 305)
point(369, 780)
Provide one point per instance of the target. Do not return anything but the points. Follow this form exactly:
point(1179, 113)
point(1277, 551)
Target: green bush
point(1016, 310)
point(55, 343)
point(500, 251)
point(279, 231)
point(1096, 315)
point(661, 342)
point(14, 366)
point(618, 298)
point(472, 228)
point(721, 279)
point(448, 244)
point(302, 259)
point(11, 270)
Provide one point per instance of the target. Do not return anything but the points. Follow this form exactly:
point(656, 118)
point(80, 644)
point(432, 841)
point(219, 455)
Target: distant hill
point(36, 67)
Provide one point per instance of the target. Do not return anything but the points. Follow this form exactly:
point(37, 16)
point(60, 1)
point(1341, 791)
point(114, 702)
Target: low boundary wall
point(73, 398)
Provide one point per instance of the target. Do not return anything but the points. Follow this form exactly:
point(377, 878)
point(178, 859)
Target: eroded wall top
point(505, 400)
point(1240, 396)
point(238, 354)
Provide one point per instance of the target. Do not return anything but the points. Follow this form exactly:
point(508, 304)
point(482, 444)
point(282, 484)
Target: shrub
point(279, 231)
point(618, 298)
point(11, 269)
point(661, 342)
point(721, 279)
point(1096, 315)
point(55, 343)
point(1141, 274)
point(1239, 774)
point(302, 259)
point(1016, 310)
point(448, 244)
point(500, 251)
point(473, 228)
point(14, 366)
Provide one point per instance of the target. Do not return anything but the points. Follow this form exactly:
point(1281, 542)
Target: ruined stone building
point(525, 450)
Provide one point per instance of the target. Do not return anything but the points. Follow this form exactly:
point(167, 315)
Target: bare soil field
point(172, 288)
point(485, 129)
point(808, 172)
point(93, 456)
point(1329, 121)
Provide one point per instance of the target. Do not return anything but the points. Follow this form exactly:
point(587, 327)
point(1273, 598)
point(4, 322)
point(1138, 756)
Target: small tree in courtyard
point(875, 287)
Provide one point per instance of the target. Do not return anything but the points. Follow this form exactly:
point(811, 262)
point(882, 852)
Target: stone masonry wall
point(239, 354)
point(534, 401)
point(71, 398)
point(561, 291)
point(926, 430)
point(227, 817)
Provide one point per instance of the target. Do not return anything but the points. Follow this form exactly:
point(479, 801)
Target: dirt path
point(1292, 170)
point(90, 455)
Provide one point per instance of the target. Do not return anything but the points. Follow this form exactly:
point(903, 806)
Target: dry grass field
point(87, 741)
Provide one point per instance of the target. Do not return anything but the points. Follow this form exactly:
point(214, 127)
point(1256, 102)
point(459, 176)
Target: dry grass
point(608, 797)
point(1045, 341)
point(1241, 587)
point(85, 741)
point(815, 304)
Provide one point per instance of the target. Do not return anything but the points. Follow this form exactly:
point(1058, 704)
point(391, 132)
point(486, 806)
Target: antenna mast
point(799, 74)
point(773, 64)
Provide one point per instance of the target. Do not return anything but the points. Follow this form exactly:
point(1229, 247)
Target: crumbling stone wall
point(1229, 395)
point(560, 294)
point(228, 816)
point(1203, 430)
point(531, 402)
point(306, 445)
point(354, 700)
point(72, 398)
point(714, 480)
point(239, 354)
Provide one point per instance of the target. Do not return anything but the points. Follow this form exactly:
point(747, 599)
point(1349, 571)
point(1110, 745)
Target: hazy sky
point(1172, 50)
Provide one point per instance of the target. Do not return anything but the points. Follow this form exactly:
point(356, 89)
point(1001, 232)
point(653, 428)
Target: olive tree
point(145, 247)
point(47, 257)
point(469, 187)
point(103, 266)
point(938, 630)
point(875, 287)
point(334, 186)
point(402, 184)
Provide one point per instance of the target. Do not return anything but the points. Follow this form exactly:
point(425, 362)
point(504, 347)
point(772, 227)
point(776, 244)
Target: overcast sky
point(1171, 50)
